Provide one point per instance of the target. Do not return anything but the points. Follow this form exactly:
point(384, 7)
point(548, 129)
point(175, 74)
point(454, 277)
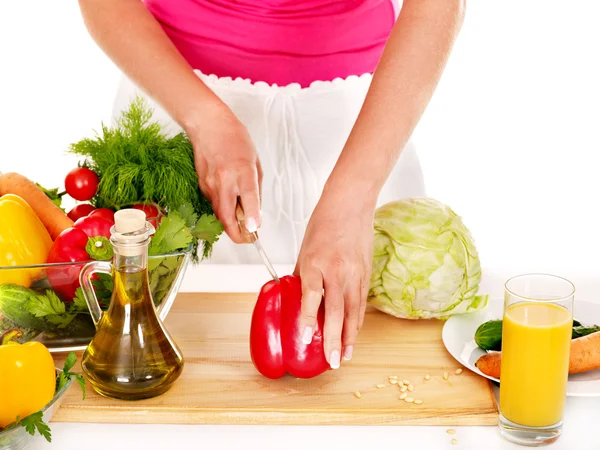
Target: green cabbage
point(425, 264)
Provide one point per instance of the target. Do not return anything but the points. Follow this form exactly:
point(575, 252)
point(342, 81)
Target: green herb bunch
point(138, 163)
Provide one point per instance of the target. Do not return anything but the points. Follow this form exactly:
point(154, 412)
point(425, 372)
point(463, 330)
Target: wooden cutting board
point(220, 385)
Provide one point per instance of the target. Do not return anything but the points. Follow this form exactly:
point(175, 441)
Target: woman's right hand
point(226, 161)
point(228, 167)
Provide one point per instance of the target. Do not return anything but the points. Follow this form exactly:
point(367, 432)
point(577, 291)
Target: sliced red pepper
point(276, 346)
point(87, 239)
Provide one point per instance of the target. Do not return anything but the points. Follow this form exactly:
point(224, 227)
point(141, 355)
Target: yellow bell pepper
point(27, 380)
point(23, 241)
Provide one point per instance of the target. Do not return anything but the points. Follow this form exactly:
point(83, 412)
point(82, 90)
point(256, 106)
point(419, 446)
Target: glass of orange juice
point(534, 368)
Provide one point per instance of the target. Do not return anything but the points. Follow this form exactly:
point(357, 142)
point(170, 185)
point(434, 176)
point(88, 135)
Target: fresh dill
point(138, 162)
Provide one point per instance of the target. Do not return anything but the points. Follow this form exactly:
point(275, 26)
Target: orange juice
point(536, 341)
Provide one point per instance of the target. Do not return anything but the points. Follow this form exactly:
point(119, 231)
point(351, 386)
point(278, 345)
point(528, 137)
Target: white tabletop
point(581, 422)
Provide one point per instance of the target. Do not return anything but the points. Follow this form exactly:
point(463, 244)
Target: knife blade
point(254, 239)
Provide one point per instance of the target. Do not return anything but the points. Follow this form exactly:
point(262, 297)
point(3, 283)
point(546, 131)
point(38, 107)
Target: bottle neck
point(131, 256)
point(130, 247)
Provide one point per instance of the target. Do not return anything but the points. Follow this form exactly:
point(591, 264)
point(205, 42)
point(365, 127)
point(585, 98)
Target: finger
point(205, 191)
point(334, 321)
point(250, 198)
point(260, 173)
point(215, 206)
point(203, 181)
point(227, 203)
point(365, 283)
point(364, 293)
point(351, 318)
point(260, 187)
point(312, 295)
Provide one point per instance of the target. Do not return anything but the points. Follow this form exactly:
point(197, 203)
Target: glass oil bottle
point(132, 356)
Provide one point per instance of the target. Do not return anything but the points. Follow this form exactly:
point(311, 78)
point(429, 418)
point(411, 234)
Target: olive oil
point(132, 356)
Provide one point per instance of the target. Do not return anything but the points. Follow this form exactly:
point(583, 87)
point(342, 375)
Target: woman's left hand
point(334, 265)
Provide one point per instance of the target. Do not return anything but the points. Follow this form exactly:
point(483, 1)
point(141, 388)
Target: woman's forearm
point(133, 39)
point(402, 86)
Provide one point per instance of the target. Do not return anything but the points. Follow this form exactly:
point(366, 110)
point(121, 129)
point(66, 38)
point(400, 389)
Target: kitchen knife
point(253, 237)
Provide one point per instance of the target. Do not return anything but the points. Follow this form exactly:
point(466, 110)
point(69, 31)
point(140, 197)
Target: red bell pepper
point(276, 345)
point(87, 239)
point(105, 213)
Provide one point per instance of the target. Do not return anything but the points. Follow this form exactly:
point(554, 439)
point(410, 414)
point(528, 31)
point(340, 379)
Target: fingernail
point(307, 335)
point(334, 361)
point(348, 353)
point(251, 225)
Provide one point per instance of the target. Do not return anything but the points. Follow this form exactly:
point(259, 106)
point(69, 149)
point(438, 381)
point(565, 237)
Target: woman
point(285, 110)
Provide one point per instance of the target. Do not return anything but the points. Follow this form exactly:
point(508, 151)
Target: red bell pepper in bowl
point(276, 346)
point(87, 239)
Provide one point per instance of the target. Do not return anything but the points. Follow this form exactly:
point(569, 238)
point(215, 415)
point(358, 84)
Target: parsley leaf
point(69, 362)
point(50, 307)
point(79, 304)
point(208, 228)
point(66, 374)
point(103, 294)
point(189, 215)
point(172, 235)
point(45, 305)
point(36, 421)
point(103, 287)
point(53, 195)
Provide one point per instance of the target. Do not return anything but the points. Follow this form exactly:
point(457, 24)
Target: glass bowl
point(17, 438)
point(38, 300)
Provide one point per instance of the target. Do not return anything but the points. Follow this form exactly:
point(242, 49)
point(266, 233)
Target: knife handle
point(239, 214)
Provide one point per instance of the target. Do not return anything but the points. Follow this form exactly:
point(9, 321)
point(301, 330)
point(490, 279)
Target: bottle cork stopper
point(129, 220)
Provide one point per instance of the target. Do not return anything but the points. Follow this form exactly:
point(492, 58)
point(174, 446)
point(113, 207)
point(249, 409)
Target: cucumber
point(80, 327)
point(581, 330)
point(12, 306)
point(489, 335)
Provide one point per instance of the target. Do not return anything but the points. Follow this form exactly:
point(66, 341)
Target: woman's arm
point(226, 161)
point(133, 39)
point(402, 86)
point(337, 249)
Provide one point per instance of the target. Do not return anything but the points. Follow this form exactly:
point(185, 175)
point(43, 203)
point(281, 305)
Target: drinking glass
point(536, 341)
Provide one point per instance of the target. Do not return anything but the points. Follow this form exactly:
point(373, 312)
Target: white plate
point(459, 330)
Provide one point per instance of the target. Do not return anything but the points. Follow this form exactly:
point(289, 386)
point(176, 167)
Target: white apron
point(298, 134)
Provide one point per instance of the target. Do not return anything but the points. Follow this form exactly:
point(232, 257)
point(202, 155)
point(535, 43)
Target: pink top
point(278, 41)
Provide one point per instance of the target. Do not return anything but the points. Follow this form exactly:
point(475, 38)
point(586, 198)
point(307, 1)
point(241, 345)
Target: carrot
point(53, 218)
point(489, 364)
point(585, 353)
point(585, 356)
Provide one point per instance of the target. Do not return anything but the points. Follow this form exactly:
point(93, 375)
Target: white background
point(510, 139)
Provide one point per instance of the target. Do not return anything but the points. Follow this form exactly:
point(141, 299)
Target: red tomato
point(79, 211)
point(153, 214)
point(105, 213)
point(81, 183)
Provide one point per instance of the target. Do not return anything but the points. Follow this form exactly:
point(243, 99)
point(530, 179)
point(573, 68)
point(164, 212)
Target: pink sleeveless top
point(278, 41)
